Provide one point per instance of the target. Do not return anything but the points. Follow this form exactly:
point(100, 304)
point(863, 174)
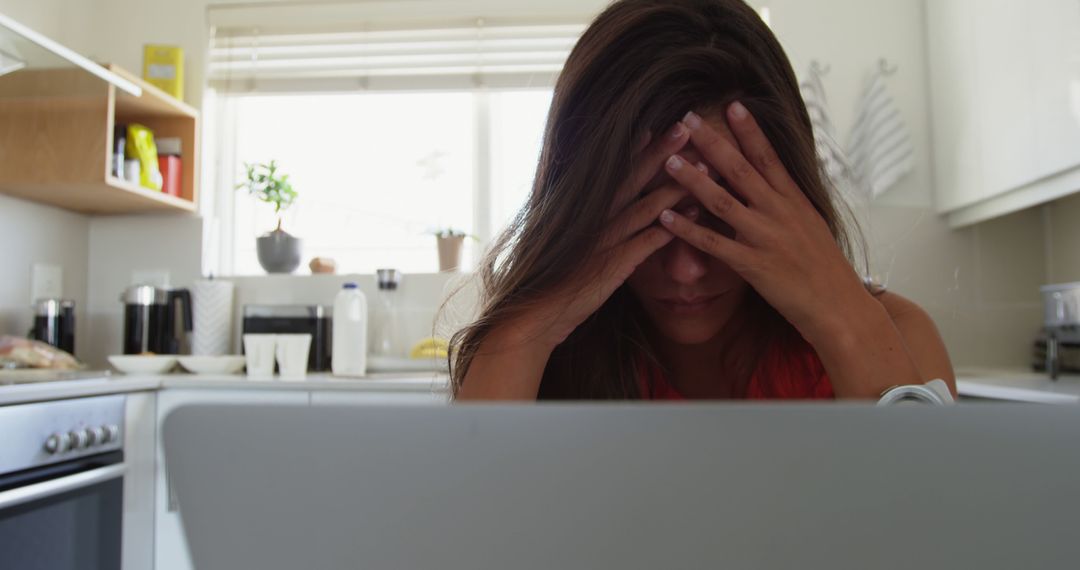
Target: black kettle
point(151, 324)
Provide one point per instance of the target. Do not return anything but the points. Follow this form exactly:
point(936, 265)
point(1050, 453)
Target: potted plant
point(450, 242)
point(279, 252)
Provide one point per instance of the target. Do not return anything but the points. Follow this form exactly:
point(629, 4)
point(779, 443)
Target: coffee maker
point(54, 323)
point(150, 319)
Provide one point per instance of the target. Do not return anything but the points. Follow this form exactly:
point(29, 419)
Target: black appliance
point(315, 320)
point(54, 323)
point(151, 323)
point(62, 484)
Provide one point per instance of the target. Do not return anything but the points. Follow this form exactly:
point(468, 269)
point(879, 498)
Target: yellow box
point(163, 67)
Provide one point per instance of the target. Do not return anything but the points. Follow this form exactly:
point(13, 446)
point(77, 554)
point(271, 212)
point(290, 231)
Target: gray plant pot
point(278, 252)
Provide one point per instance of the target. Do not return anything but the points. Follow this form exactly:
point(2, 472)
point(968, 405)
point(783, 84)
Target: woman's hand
point(511, 360)
point(784, 249)
point(782, 246)
point(630, 238)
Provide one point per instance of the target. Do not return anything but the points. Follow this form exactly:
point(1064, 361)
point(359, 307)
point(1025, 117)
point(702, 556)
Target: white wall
point(120, 246)
point(980, 284)
point(1063, 240)
point(98, 254)
point(40, 15)
point(32, 233)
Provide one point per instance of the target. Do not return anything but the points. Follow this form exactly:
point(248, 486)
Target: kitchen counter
point(410, 382)
point(380, 382)
point(982, 383)
point(64, 389)
point(1017, 385)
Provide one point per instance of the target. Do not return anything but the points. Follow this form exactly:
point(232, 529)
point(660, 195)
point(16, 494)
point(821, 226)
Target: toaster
point(315, 320)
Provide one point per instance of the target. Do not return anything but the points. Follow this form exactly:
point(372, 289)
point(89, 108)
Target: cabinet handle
point(170, 492)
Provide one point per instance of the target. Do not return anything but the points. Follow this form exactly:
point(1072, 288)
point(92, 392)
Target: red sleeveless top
point(782, 375)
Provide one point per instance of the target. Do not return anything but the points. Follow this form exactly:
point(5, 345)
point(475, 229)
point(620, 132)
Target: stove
point(61, 483)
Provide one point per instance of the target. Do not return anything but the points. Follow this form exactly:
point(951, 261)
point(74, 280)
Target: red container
point(170, 166)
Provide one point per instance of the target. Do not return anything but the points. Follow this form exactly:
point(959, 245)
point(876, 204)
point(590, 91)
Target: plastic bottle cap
point(349, 285)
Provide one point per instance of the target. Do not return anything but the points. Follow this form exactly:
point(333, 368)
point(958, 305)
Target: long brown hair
point(638, 69)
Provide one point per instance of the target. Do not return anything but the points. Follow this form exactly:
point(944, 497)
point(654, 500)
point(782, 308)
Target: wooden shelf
point(56, 141)
point(153, 103)
point(112, 196)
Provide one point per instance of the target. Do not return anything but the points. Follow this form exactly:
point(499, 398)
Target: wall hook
point(887, 69)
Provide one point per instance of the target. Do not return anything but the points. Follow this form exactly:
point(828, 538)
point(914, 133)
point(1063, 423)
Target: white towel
point(880, 147)
point(829, 152)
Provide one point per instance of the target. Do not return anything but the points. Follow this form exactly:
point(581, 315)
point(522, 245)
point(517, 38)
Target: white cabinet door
point(956, 124)
point(170, 552)
point(140, 442)
point(1005, 98)
point(1005, 95)
point(1056, 83)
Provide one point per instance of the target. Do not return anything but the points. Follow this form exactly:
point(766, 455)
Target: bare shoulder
point(921, 336)
point(901, 307)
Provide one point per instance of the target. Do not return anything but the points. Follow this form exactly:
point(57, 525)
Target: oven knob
point(112, 433)
point(78, 439)
point(94, 436)
point(57, 443)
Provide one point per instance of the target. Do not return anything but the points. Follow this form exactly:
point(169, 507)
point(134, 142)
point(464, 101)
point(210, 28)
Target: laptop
point(627, 486)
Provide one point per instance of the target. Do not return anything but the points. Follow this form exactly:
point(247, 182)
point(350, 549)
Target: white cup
point(292, 355)
point(259, 355)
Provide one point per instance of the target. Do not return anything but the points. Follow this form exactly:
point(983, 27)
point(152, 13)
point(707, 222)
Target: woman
point(680, 241)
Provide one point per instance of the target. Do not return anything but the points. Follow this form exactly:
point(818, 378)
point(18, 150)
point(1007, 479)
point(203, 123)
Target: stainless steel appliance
point(54, 323)
point(151, 323)
point(61, 484)
point(315, 320)
point(1061, 329)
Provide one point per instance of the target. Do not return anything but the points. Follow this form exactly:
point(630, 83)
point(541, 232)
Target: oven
point(61, 484)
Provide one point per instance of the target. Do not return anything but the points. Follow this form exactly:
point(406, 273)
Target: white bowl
point(212, 364)
point(142, 364)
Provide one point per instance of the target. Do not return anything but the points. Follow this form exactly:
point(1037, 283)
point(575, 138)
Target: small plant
point(448, 233)
point(445, 233)
point(266, 184)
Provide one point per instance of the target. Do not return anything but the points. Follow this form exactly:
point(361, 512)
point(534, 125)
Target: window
point(444, 132)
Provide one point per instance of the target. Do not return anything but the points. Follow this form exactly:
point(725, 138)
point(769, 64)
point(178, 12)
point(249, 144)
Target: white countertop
point(1018, 385)
point(120, 383)
point(996, 384)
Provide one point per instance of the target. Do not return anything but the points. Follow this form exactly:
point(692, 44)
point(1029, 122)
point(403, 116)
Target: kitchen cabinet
point(57, 113)
point(170, 547)
point(1005, 104)
point(140, 442)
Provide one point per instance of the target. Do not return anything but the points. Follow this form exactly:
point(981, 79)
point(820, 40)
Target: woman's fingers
point(715, 198)
point(758, 150)
point(726, 158)
point(642, 213)
point(723, 248)
point(628, 256)
point(648, 163)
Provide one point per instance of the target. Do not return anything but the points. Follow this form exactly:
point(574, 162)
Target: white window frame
point(219, 212)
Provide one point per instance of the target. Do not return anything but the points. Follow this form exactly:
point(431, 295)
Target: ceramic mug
point(259, 355)
point(292, 355)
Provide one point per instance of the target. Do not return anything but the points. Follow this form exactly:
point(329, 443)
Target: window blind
point(247, 59)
